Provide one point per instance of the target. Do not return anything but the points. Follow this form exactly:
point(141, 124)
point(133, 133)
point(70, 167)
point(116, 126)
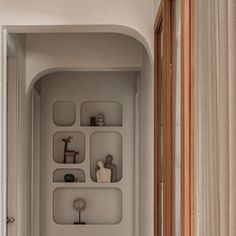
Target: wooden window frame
point(164, 19)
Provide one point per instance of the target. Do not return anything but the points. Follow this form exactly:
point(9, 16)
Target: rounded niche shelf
point(104, 144)
point(75, 147)
point(112, 112)
point(95, 200)
point(64, 113)
point(59, 175)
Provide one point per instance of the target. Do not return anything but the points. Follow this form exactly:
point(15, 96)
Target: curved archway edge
point(120, 29)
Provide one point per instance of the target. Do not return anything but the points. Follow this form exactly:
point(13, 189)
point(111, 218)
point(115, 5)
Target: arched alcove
point(129, 66)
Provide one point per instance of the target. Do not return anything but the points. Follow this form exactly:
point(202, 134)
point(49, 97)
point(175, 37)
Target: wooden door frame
point(187, 121)
point(157, 128)
point(164, 21)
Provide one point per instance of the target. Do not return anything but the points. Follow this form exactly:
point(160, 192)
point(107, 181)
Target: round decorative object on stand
point(79, 205)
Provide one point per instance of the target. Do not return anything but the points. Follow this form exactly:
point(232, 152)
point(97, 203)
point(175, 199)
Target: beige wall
point(46, 51)
point(24, 131)
point(135, 14)
point(146, 148)
point(76, 51)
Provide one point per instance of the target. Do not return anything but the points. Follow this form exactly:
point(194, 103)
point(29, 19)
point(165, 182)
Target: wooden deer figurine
point(69, 152)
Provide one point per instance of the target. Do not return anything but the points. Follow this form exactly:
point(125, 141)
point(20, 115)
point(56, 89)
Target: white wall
point(84, 50)
point(135, 14)
point(24, 156)
point(134, 17)
point(146, 148)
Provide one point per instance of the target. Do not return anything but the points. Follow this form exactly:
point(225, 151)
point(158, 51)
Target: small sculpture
point(70, 178)
point(100, 119)
point(109, 165)
point(79, 205)
point(93, 121)
point(103, 174)
point(69, 153)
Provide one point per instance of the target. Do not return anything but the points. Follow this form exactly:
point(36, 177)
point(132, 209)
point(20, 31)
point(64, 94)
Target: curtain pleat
point(216, 117)
point(232, 113)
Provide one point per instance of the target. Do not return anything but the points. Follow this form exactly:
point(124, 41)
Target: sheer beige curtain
point(216, 117)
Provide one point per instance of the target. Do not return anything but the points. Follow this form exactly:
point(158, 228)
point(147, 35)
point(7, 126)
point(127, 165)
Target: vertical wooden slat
point(174, 106)
point(157, 126)
point(192, 47)
point(168, 23)
point(157, 216)
point(168, 124)
point(187, 183)
point(188, 205)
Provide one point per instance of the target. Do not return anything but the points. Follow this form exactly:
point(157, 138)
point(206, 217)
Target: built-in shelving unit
point(103, 141)
point(66, 113)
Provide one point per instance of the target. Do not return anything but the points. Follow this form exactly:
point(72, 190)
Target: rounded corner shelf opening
point(68, 176)
point(64, 113)
point(104, 144)
point(69, 147)
point(95, 200)
point(112, 112)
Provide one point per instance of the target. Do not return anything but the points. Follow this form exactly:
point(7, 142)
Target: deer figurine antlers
point(68, 152)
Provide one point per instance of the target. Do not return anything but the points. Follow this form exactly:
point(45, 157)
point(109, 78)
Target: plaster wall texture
point(79, 51)
point(146, 177)
point(135, 14)
point(24, 148)
point(52, 50)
